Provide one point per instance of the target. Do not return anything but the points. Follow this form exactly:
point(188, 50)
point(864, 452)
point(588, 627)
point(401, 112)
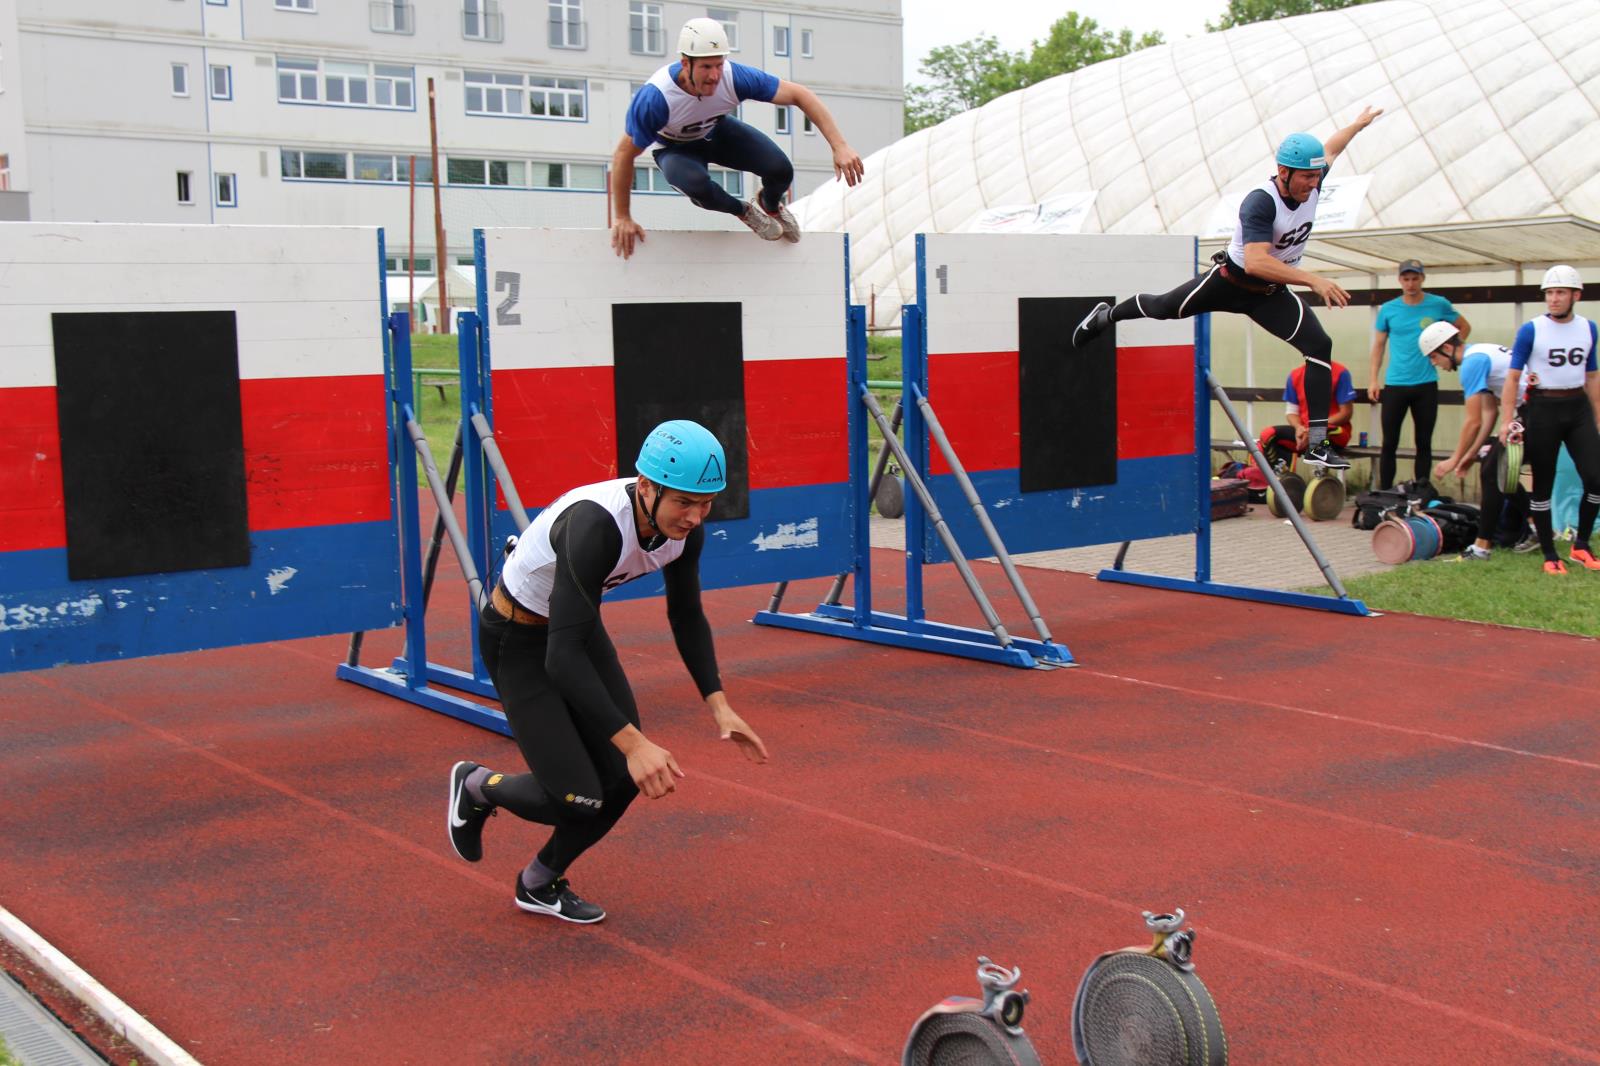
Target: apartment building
point(312, 111)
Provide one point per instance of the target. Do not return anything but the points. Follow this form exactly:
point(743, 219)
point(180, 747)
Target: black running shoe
point(1326, 455)
point(466, 818)
point(1093, 324)
point(557, 898)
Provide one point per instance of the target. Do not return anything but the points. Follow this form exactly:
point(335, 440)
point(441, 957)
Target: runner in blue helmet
point(1252, 277)
point(556, 671)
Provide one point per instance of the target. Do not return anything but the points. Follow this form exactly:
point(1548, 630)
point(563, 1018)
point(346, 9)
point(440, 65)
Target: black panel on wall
point(152, 447)
point(683, 360)
point(1067, 396)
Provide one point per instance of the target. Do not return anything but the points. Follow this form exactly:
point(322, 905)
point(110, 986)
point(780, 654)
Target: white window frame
point(217, 3)
point(392, 16)
point(493, 92)
point(730, 23)
point(563, 91)
point(307, 6)
point(231, 182)
point(567, 28)
point(780, 40)
point(644, 13)
point(227, 81)
point(186, 188)
point(780, 120)
point(296, 170)
point(5, 171)
point(481, 20)
point(394, 81)
point(350, 84)
point(180, 79)
point(312, 80)
point(307, 76)
point(805, 44)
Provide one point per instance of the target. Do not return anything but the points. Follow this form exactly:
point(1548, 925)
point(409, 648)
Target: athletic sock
point(475, 782)
point(1317, 433)
point(1541, 525)
point(536, 875)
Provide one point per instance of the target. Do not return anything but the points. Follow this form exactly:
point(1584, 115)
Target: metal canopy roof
point(1532, 243)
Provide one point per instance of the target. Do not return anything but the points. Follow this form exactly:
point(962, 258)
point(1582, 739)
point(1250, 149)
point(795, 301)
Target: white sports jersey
point(530, 572)
point(1291, 227)
point(1560, 352)
point(689, 117)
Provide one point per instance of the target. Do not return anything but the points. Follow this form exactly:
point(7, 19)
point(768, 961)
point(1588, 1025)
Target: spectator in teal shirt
point(1411, 383)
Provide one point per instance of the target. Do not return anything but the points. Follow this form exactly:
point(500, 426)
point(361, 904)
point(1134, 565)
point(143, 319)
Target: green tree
point(1244, 12)
point(963, 76)
point(960, 77)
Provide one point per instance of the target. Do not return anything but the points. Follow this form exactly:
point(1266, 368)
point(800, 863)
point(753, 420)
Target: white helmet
point(1436, 335)
point(1561, 276)
point(703, 37)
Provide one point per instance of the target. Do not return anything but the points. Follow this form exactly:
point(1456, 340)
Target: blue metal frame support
point(860, 501)
point(913, 378)
point(1202, 446)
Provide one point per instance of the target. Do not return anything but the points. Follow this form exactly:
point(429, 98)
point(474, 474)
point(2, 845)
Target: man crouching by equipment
point(556, 671)
point(1483, 374)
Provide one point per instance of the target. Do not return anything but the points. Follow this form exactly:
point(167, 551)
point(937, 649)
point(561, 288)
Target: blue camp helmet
point(1301, 151)
point(683, 455)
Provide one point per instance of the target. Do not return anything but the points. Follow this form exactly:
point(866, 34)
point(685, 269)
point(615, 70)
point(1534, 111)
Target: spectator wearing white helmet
point(1483, 374)
point(1556, 353)
point(686, 111)
point(1409, 384)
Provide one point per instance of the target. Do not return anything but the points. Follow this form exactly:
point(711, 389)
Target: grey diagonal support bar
point(497, 463)
point(936, 431)
point(458, 540)
point(892, 439)
point(1272, 479)
point(879, 469)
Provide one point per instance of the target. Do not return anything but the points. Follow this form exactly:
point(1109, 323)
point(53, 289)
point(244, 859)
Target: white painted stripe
point(154, 1045)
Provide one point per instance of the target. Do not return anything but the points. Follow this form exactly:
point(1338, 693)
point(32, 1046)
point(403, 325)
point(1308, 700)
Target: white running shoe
point(791, 228)
point(765, 226)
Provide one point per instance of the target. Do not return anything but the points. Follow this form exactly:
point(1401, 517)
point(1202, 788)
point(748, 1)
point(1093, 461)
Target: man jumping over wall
point(1253, 276)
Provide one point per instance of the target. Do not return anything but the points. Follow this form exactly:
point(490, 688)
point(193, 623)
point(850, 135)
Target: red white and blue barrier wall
point(195, 450)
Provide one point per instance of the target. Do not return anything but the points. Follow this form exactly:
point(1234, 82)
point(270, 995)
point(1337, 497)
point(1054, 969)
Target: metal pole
point(458, 540)
point(878, 471)
point(939, 526)
point(497, 463)
point(438, 215)
point(411, 251)
point(432, 563)
point(937, 432)
point(1277, 487)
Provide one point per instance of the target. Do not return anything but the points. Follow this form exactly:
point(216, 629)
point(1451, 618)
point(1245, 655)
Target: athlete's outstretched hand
point(624, 232)
point(1364, 119)
point(847, 164)
point(732, 727)
point(653, 769)
point(1330, 292)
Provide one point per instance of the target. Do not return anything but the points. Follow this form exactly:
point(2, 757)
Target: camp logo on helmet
point(711, 473)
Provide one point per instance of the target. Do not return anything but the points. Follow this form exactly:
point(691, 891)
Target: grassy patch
point(1507, 589)
point(6, 1058)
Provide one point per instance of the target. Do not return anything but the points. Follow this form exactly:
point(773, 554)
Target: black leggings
point(580, 782)
point(1423, 403)
point(1548, 423)
point(737, 146)
point(1281, 313)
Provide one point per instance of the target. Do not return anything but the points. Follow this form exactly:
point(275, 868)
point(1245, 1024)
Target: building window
point(423, 264)
point(649, 179)
point(217, 3)
point(646, 31)
point(780, 40)
point(297, 79)
point(180, 79)
point(491, 93)
point(393, 16)
point(730, 23)
point(805, 44)
point(345, 84)
point(227, 190)
point(805, 124)
point(481, 20)
point(5, 172)
point(556, 97)
point(566, 24)
point(221, 82)
point(295, 5)
point(185, 196)
point(780, 120)
point(316, 166)
point(504, 173)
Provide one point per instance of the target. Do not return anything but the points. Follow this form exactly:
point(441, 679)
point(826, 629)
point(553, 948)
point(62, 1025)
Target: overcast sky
point(1017, 23)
